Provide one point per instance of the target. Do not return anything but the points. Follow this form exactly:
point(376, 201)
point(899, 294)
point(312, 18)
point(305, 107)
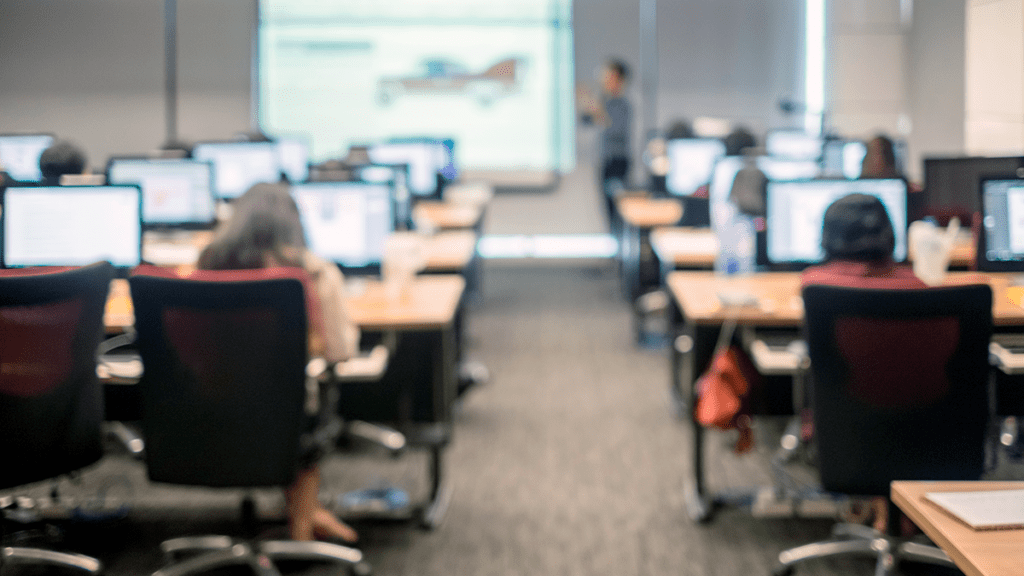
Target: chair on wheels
point(224, 396)
point(51, 409)
point(899, 392)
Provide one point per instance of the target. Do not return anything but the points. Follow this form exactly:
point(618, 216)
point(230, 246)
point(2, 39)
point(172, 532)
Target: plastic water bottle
point(736, 246)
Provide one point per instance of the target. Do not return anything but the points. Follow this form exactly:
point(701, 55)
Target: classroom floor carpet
point(569, 461)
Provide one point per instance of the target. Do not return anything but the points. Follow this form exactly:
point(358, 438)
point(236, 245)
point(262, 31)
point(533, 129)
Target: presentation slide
point(498, 79)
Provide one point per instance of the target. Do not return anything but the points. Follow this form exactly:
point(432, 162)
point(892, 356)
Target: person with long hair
point(265, 231)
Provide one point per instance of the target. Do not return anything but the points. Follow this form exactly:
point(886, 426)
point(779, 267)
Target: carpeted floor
point(569, 461)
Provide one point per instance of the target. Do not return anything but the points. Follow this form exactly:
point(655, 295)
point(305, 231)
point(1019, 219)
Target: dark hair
point(857, 227)
point(620, 68)
point(884, 148)
point(680, 129)
point(59, 159)
point(264, 230)
point(737, 140)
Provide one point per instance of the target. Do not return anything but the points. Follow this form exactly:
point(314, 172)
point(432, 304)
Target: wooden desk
point(638, 215)
point(698, 316)
point(450, 251)
point(431, 302)
point(977, 553)
point(683, 247)
point(779, 303)
point(448, 216)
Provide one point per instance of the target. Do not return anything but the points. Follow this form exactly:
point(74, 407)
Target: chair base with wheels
point(858, 540)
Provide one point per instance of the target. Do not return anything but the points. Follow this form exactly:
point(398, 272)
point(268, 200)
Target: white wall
point(995, 77)
point(92, 71)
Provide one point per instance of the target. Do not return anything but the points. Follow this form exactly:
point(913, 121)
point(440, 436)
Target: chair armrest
point(1007, 360)
point(364, 368)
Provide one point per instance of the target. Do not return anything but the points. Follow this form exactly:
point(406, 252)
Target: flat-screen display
point(691, 162)
point(843, 158)
point(796, 210)
point(346, 222)
point(72, 226)
point(951, 185)
point(293, 158)
point(425, 160)
point(19, 155)
point(794, 144)
point(175, 192)
point(497, 77)
point(239, 165)
point(774, 169)
point(1001, 246)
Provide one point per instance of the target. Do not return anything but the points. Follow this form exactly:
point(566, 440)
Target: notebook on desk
point(983, 510)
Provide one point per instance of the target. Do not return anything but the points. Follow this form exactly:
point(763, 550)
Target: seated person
point(858, 240)
point(880, 159)
point(59, 159)
point(264, 232)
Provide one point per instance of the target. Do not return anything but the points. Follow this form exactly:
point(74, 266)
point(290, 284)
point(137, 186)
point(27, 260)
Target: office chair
point(899, 392)
point(51, 409)
point(224, 396)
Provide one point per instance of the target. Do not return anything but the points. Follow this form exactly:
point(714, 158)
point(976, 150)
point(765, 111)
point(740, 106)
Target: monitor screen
point(346, 222)
point(951, 185)
point(72, 226)
point(691, 162)
point(174, 192)
point(843, 158)
point(19, 155)
point(793, 144)
point(239, 165)
point(796, 213)
point(425, 160)
point(1001, 248)
point(293, 158)
point(774, 169)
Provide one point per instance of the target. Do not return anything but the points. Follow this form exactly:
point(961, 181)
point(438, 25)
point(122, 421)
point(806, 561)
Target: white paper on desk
point(985, 509)
point(170, 254)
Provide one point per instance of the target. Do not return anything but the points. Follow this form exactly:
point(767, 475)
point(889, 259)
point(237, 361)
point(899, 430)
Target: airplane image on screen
point(443, 76)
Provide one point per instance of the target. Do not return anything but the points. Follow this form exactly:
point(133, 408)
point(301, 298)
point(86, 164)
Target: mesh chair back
point(900, 384)
point(51, 404)
point(223, 390)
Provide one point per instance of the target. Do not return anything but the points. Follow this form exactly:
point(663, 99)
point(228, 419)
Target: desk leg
point(699, 504)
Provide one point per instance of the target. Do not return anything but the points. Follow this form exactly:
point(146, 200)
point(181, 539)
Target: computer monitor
point(843, 158)
point(951, 185)
point(19, 155)
point(394, 176)
point(796, 210)
point(72, 226)
point(774, 169)
point(293, 157)
point(425, 160)
point(239, 165)
point(346, 222)
point(1001, 242)
point(175, 193)
point(794, 145)
point(691, 162)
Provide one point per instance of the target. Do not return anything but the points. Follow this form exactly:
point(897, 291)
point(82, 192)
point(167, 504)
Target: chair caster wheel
point(361, 569)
